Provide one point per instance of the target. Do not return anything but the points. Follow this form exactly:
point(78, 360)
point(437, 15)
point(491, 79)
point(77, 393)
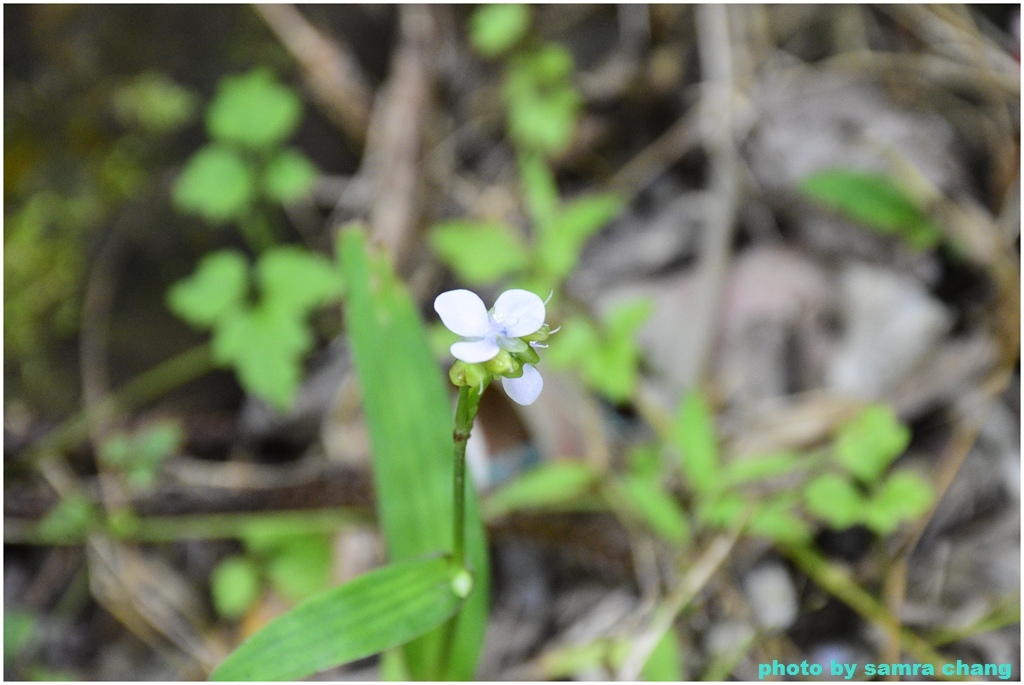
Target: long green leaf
point(875, 200)
point(374, 612)
point(547, 485)
point(409, 414)
point(654, 507)
point(697, 444)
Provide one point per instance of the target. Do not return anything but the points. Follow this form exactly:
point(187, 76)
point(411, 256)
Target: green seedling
point(264, 341)
point(248, 122)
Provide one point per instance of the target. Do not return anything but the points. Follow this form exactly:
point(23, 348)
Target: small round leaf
point(235, 585)
point(216, 184)
point(290, 176)
point(254, 110)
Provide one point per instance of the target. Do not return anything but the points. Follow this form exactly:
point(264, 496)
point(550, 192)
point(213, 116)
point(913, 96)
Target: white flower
point(516, 313)
point(526, 389)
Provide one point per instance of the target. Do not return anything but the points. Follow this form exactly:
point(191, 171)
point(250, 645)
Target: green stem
point(174, 528)
point(145, 387)
point(465, 413)
point(837, 582)
point(257, 231)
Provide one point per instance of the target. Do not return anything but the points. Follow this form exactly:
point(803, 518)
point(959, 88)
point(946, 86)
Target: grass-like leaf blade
point(550, 484)
point(697, 443)
point(374, 612)
point(409, 414)
point(875, 200)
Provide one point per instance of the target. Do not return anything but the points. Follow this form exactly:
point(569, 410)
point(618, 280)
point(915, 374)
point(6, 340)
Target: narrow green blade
point(553, 483)
point(374, 612)
point(410, 414)
point(697, 444)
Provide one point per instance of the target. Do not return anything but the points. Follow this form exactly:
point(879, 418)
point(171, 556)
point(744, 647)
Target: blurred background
point(801, 211)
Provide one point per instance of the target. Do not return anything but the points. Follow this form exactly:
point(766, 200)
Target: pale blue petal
point(463, 313)
point(518, 313)
point(475, 350)
point(526, 389)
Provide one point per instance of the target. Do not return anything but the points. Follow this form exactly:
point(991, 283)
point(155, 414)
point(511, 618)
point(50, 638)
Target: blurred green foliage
point(665, 662)
point(253, 110)
point(289, 176)
point(216, 184)
point(234, 586)
point(605, 354)
point(138, 455)
point(495, 29)
point(296, 565)
point(264, 340)
point(549, 484)
point(18, 630)
point(153, 102)
point(858, 493)
point(248, 121)
point(874, 200)
point(70, 518)
point(479, 252)
point(63, 186)
point(653, 506)
point(542, 105)
point(841, 487)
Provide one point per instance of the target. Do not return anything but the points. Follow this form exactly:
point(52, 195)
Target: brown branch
point(395, 138)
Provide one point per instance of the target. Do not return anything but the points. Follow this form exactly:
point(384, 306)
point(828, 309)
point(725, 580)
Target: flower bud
point(529, 355)
point(502, 364)
point(472, 375)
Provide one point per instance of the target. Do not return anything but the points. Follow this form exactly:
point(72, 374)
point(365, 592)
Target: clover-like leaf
point(289, 176)
point(253, 110)
point(776, 519)
point(494, 29)
point(479, 251)
point(296, 280)
point(215, 184)
point(869, 443)
point(234, 586)
point(266, 346)
point(835, 500)
point(219, 285)
point(560, 242)
point(903, 496)
point(69, 518)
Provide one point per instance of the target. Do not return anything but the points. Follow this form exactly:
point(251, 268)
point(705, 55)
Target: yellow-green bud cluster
point(507, 363)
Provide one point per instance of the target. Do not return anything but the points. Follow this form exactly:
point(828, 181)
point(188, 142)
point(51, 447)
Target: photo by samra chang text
point(849, 671)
